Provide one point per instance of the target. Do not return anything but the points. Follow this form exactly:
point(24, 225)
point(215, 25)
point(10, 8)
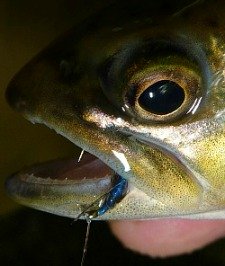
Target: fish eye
point(162, 97)
point(157, 81)
point(164, 94)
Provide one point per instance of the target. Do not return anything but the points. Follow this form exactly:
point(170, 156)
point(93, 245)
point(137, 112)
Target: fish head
point(141, 86)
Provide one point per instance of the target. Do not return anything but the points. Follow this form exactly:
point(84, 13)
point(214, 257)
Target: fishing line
point(178, 13)
point(88, 220)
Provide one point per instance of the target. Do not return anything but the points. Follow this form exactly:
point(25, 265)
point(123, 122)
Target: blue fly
point(114, 195)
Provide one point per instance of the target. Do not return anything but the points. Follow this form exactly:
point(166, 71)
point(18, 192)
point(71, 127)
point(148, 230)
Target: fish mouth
point(82, 182)
point(77, 188)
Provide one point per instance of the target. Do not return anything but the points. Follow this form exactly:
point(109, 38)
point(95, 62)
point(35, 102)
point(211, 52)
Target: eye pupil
point(161, 98)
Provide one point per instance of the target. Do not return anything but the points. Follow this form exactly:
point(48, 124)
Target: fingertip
point(167, 237)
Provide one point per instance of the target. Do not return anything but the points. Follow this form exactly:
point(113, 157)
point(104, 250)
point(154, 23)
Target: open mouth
point(88, 178)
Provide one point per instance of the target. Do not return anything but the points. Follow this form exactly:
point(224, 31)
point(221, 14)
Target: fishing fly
point(105, 203)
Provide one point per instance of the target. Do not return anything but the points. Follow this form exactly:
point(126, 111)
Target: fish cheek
point(211, 164)
point(165, 180)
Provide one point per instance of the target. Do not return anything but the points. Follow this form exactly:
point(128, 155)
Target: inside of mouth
point(88, 167)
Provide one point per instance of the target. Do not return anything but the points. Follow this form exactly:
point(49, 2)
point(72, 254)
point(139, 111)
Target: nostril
point(15, 97)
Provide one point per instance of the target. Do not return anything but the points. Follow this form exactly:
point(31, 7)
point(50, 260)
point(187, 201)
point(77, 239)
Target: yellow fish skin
point(141, 86)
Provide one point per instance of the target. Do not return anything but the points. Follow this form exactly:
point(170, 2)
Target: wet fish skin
point(80, 87)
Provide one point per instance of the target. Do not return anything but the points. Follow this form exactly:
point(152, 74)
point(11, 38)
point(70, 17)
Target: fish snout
point(15, 97)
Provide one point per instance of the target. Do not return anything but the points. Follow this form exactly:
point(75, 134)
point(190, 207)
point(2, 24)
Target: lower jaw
point(63, 184)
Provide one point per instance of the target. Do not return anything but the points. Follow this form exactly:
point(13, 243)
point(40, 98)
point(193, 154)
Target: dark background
point(29, 237)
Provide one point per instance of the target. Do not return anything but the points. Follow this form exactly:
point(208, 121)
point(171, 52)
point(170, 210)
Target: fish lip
point(31, 186)
point(34, 182)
